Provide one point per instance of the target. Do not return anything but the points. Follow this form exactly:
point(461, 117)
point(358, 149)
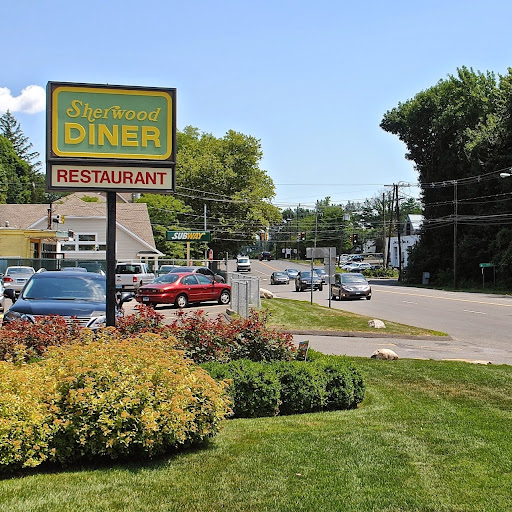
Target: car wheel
point(181, 301)
point(296, 288)
point(225, 297)
point(320, 288)
point(368, 297)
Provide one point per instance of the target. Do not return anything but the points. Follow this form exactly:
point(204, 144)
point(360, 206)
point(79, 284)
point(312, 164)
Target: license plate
point(118, 286)
point(145, 299)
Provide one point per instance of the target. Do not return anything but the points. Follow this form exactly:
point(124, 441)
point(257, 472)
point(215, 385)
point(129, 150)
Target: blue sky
point(311, 80)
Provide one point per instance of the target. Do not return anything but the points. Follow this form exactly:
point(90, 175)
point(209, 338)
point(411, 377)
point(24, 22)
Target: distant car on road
point(350, 286)
point(265, 255)
point(16, 277)
point(182, 289)
point(356, 258)
point(243, 263)
point(279, 278)
point(322, 274)
point(305, 280)
point(292, 272)
point(359, 267)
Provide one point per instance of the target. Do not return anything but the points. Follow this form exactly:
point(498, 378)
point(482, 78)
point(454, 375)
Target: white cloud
point(31, 100)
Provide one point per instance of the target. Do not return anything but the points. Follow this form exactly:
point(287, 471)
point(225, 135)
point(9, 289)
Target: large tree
point(459, 135)
point(224, 174)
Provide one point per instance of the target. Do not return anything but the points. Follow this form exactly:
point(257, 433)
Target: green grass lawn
point(297, 314)
point(429, 436)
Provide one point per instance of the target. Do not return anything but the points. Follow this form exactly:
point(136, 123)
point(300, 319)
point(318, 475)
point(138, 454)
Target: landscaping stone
point(384, 353)
point(266, 294)
point(377, 324)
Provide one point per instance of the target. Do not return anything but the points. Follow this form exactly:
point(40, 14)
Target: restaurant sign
point(110, 137)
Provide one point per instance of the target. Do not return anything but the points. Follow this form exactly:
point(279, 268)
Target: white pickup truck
point(129, 276)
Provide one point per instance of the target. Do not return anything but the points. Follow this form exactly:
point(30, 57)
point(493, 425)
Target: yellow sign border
point(103, 90)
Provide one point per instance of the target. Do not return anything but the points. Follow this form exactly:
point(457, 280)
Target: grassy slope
point(429, 436)
point(294, 314)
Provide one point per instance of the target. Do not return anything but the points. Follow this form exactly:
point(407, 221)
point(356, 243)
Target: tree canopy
point(458, 133)
point(223, 174)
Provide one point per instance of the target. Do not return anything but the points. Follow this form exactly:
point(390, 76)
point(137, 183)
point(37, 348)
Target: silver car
point(16, 277)
point(350, 286)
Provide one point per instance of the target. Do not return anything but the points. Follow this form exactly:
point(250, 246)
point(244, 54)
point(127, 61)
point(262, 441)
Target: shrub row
point(106, 398)
point(291, 387)
point(200, 337)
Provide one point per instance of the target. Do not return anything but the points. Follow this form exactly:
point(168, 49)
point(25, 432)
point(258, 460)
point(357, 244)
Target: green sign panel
point(485, 265)
point(112, 122)
point(188, 236)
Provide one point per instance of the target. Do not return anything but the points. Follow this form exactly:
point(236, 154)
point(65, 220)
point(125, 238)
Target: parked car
point(359, 267)
point(349, 286)
point(77, 296)
point(199, 270)
point(183, 288)
point(2, 298)
point(305, 280)
point(279, 278)
point(265, 255)
point(16, 277)
point(356, 258)
point(292, 272)
point(243, 263)
point(322, 273)
point(165, 269)
point(129, 276)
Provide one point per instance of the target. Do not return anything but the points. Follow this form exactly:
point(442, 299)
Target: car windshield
point(280, 274)
point(306, 274)
point(168, 278)
point(70, 287)
point(243, 260)
point(353, 279)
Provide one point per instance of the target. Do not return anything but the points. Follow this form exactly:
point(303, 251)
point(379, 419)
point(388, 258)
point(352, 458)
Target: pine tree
point(11, 129)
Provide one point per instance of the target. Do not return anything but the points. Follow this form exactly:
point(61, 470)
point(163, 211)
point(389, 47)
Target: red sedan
point(182, 289)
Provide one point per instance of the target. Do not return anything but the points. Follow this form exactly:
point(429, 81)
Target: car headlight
point(12, 316)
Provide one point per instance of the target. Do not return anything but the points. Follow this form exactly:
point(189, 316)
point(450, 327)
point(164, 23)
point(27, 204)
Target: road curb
point(354, 334)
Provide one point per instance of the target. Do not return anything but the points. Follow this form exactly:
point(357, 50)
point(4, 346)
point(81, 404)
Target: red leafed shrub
point(216, 339)
point(146, 319)
point(23, 340)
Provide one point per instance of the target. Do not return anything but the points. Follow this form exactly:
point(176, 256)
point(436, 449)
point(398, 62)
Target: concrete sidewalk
point(421, 347)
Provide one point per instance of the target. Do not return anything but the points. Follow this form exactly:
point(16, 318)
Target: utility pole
point(455, 219)
point(383, 227)
point(390, 227)
point(398, 229)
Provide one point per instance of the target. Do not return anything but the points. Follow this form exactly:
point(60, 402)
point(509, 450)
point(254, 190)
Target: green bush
point(254, 387)
point(290, 387)
point(113, 398)
point(303, 387)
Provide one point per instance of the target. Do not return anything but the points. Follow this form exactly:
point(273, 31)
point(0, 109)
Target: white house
point(409, 237)
point(86, 222)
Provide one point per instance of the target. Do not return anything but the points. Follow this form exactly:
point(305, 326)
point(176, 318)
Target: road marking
point(409, 302)
point(448, 298)
point(475, 312)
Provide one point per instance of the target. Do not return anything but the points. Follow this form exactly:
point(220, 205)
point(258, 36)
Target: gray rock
point(377, 324)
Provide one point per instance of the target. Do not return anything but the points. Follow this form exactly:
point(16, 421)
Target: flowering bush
point(23, 340)
point(215, 339)
point(26, 428)
point(124, 397)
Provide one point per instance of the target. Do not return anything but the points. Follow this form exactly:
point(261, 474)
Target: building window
point(83, 242)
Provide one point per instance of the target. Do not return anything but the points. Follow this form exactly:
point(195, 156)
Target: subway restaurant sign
point(188, 236)
point(110, 137)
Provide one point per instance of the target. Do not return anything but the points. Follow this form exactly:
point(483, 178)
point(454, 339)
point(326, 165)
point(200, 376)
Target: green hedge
point(290, 387)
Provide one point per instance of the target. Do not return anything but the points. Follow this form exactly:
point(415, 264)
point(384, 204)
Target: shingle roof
point(133, 217)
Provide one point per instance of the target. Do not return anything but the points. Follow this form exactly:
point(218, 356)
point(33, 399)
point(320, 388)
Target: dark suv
point(265, 255)
point(304, 281)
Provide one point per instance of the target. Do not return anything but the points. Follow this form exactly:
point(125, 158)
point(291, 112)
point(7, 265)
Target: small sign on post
point(303, 350)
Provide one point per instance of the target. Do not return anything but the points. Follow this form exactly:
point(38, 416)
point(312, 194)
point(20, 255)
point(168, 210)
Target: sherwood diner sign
point(105, 137)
